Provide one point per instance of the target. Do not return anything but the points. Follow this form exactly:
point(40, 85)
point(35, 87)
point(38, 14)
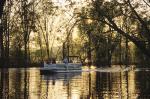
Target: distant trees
point(17, 22)
point(45, 22)
point(28, 25)
point(30, 30)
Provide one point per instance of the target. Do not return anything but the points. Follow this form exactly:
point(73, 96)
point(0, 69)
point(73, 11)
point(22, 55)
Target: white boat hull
point(62, 67)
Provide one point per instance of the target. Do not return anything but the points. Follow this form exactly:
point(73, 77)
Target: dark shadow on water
point(60, 76)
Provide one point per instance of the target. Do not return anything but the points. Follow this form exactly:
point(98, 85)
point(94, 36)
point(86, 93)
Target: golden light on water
point(93, 67)
point(73, 86)
point(132, 85)
point(34, 84)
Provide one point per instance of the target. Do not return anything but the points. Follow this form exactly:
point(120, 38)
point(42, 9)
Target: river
point(22, 83)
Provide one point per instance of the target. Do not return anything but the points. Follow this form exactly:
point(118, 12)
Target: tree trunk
point(47, 49)
point(2, 2)
point(1, 48)
point(25, 53)
point(41, 48)
point(89, 49)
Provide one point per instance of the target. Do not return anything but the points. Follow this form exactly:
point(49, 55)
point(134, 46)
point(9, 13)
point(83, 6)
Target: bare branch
point(147, 3)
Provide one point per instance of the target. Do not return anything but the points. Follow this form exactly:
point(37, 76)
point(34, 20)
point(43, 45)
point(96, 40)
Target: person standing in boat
point(65, 60)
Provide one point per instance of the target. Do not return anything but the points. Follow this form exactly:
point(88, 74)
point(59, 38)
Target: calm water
point(30, 84)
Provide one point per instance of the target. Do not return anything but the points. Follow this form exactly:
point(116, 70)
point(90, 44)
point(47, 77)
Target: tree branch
point(146, 3)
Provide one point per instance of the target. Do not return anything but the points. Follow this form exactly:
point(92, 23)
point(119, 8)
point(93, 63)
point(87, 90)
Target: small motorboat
point(70, 64)
point(61, 67)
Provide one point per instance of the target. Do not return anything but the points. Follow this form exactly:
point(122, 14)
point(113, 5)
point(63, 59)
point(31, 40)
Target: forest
point(104, 32)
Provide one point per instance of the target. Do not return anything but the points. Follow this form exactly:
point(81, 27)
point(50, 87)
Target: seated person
point(53, 61)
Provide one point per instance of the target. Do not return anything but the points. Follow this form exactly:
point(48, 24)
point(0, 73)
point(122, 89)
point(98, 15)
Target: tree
point(2, 3)
point(101, 40)
point(104, 12)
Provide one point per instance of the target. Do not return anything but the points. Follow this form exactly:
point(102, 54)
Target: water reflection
point(30, 84)
point(61, 85)
point(115, 85)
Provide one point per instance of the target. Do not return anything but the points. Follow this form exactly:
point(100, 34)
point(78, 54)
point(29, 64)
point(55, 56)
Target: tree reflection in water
point(29, 84)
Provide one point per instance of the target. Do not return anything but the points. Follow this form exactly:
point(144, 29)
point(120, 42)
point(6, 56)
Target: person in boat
point(65, 60)
point(53, 61)
point(47, 62)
